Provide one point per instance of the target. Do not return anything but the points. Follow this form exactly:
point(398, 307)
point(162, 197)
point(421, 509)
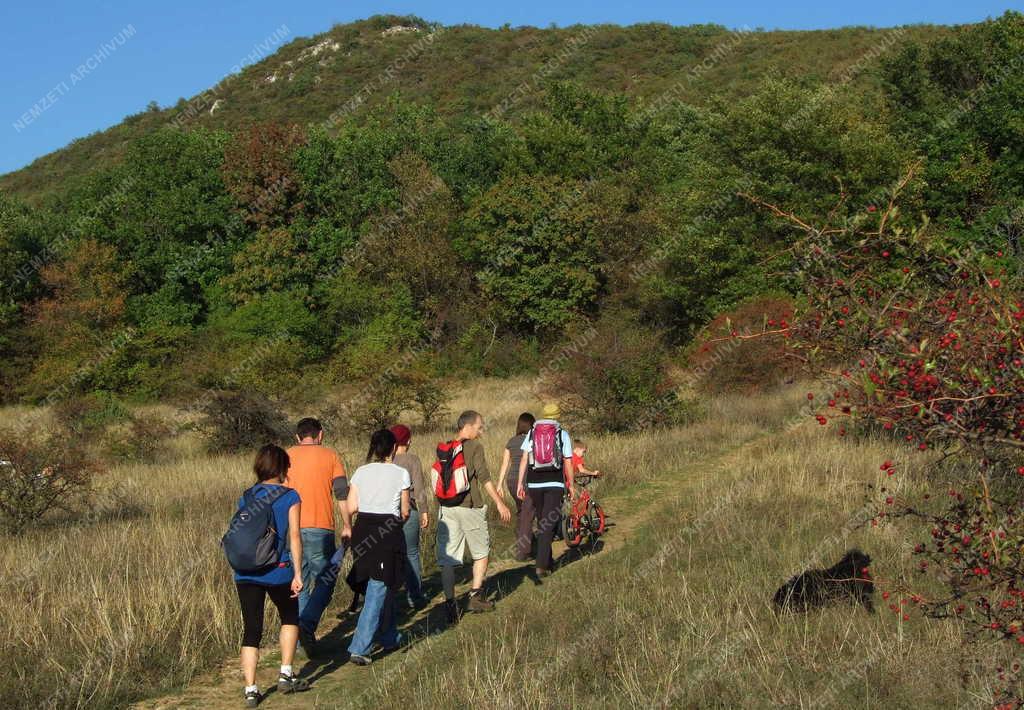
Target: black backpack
point(250, 544)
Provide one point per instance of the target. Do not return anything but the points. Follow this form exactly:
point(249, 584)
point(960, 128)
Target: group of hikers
point(282, 540)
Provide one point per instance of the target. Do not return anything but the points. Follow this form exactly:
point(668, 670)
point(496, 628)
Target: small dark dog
point(815, 588)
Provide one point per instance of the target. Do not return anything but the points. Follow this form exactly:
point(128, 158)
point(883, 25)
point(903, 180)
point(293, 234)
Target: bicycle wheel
point(597, 519)
point(572, 531)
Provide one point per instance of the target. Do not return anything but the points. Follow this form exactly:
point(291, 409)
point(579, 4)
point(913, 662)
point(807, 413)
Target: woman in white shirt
point(379, 493)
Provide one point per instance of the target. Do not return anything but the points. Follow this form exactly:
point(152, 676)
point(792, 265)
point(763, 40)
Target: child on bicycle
point(579, 450)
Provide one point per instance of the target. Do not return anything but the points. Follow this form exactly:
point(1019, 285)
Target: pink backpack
point(547, 446)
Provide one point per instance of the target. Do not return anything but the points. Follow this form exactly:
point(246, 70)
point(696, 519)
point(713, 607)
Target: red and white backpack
point(449, 475)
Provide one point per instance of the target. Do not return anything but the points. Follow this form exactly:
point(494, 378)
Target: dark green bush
point(146, 439)
point(239, 421)
point(89, 415)
point(614, 377)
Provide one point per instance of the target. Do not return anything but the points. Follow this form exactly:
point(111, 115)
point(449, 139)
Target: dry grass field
point(134, 602)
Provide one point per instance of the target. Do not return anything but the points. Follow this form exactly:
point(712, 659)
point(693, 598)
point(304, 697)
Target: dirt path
point(339, 684)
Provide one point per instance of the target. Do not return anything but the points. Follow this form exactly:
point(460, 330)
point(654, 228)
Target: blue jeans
point(317, 551)
point(323, 590)
point(413, 568)
point(377, 621)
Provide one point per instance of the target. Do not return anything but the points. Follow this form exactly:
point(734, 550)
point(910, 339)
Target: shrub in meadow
point(617, 380)
point(88, 416)
point(731, 354)
point(240, 421)
point(373, 404)
point(146, 439)
point(39, 475)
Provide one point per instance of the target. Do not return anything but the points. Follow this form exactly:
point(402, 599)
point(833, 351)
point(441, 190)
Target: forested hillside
point(494, 194)
point(467, 71)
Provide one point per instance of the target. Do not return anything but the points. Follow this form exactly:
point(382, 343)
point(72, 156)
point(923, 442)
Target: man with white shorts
point(462, 525)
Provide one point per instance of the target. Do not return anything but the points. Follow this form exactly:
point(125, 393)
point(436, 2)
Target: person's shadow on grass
point(332, 652)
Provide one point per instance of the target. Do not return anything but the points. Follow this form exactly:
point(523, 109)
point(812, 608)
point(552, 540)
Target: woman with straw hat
point(546, 475)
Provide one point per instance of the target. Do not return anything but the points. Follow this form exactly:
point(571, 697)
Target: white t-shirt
point(380, 487)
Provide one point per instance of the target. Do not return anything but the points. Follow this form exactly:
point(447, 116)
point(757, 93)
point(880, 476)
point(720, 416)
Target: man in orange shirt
point(318, 476)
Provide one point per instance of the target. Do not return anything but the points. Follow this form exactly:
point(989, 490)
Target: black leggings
point(547, 510)
point(251, 597)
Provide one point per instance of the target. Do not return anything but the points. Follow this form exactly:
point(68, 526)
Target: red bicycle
point(583, 518)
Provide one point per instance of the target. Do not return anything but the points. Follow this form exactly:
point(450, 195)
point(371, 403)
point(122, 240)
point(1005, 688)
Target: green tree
point(534, 243)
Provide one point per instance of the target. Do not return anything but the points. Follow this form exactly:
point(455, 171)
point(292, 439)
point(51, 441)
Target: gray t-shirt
point(380, 487)
point(515, 455)
point(411, 463)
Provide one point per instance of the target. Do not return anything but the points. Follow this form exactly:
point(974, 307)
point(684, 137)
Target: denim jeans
point(377, 621)
point(323, 590)
point(413, 568)
point(317, 551)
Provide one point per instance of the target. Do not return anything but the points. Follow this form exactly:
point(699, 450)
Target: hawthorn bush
point(931, 343)
point(722, 363)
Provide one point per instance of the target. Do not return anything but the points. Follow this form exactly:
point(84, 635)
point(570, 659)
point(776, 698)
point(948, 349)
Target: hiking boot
point(381, 648)
point(360, 660)
point(542, 572)
point(452, 611)
point(308, 642)
point(252, 698)
point(291, 684)
point(478, 603)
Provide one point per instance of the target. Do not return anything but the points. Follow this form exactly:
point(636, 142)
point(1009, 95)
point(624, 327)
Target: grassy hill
point(466, 70)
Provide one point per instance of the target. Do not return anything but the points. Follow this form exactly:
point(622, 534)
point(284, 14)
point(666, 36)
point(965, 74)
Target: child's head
point(579, 448)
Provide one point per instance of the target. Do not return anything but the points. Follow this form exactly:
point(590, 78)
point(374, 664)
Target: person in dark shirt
point(508, 478)
point(419, 515)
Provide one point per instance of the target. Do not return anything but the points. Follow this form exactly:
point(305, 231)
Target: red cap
point(402, 434)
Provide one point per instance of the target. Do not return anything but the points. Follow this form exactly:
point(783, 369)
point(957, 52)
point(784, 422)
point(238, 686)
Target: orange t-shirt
point(312, 472)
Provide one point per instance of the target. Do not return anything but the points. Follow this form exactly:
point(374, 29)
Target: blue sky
point(131, 53)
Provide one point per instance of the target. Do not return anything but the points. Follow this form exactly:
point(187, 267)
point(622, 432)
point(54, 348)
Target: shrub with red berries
point(922, 342)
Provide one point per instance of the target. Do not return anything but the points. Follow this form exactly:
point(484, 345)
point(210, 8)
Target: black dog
point(815, 588)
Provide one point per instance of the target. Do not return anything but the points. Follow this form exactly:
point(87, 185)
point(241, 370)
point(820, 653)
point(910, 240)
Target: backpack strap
point(470, 472)
point(272, 497)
